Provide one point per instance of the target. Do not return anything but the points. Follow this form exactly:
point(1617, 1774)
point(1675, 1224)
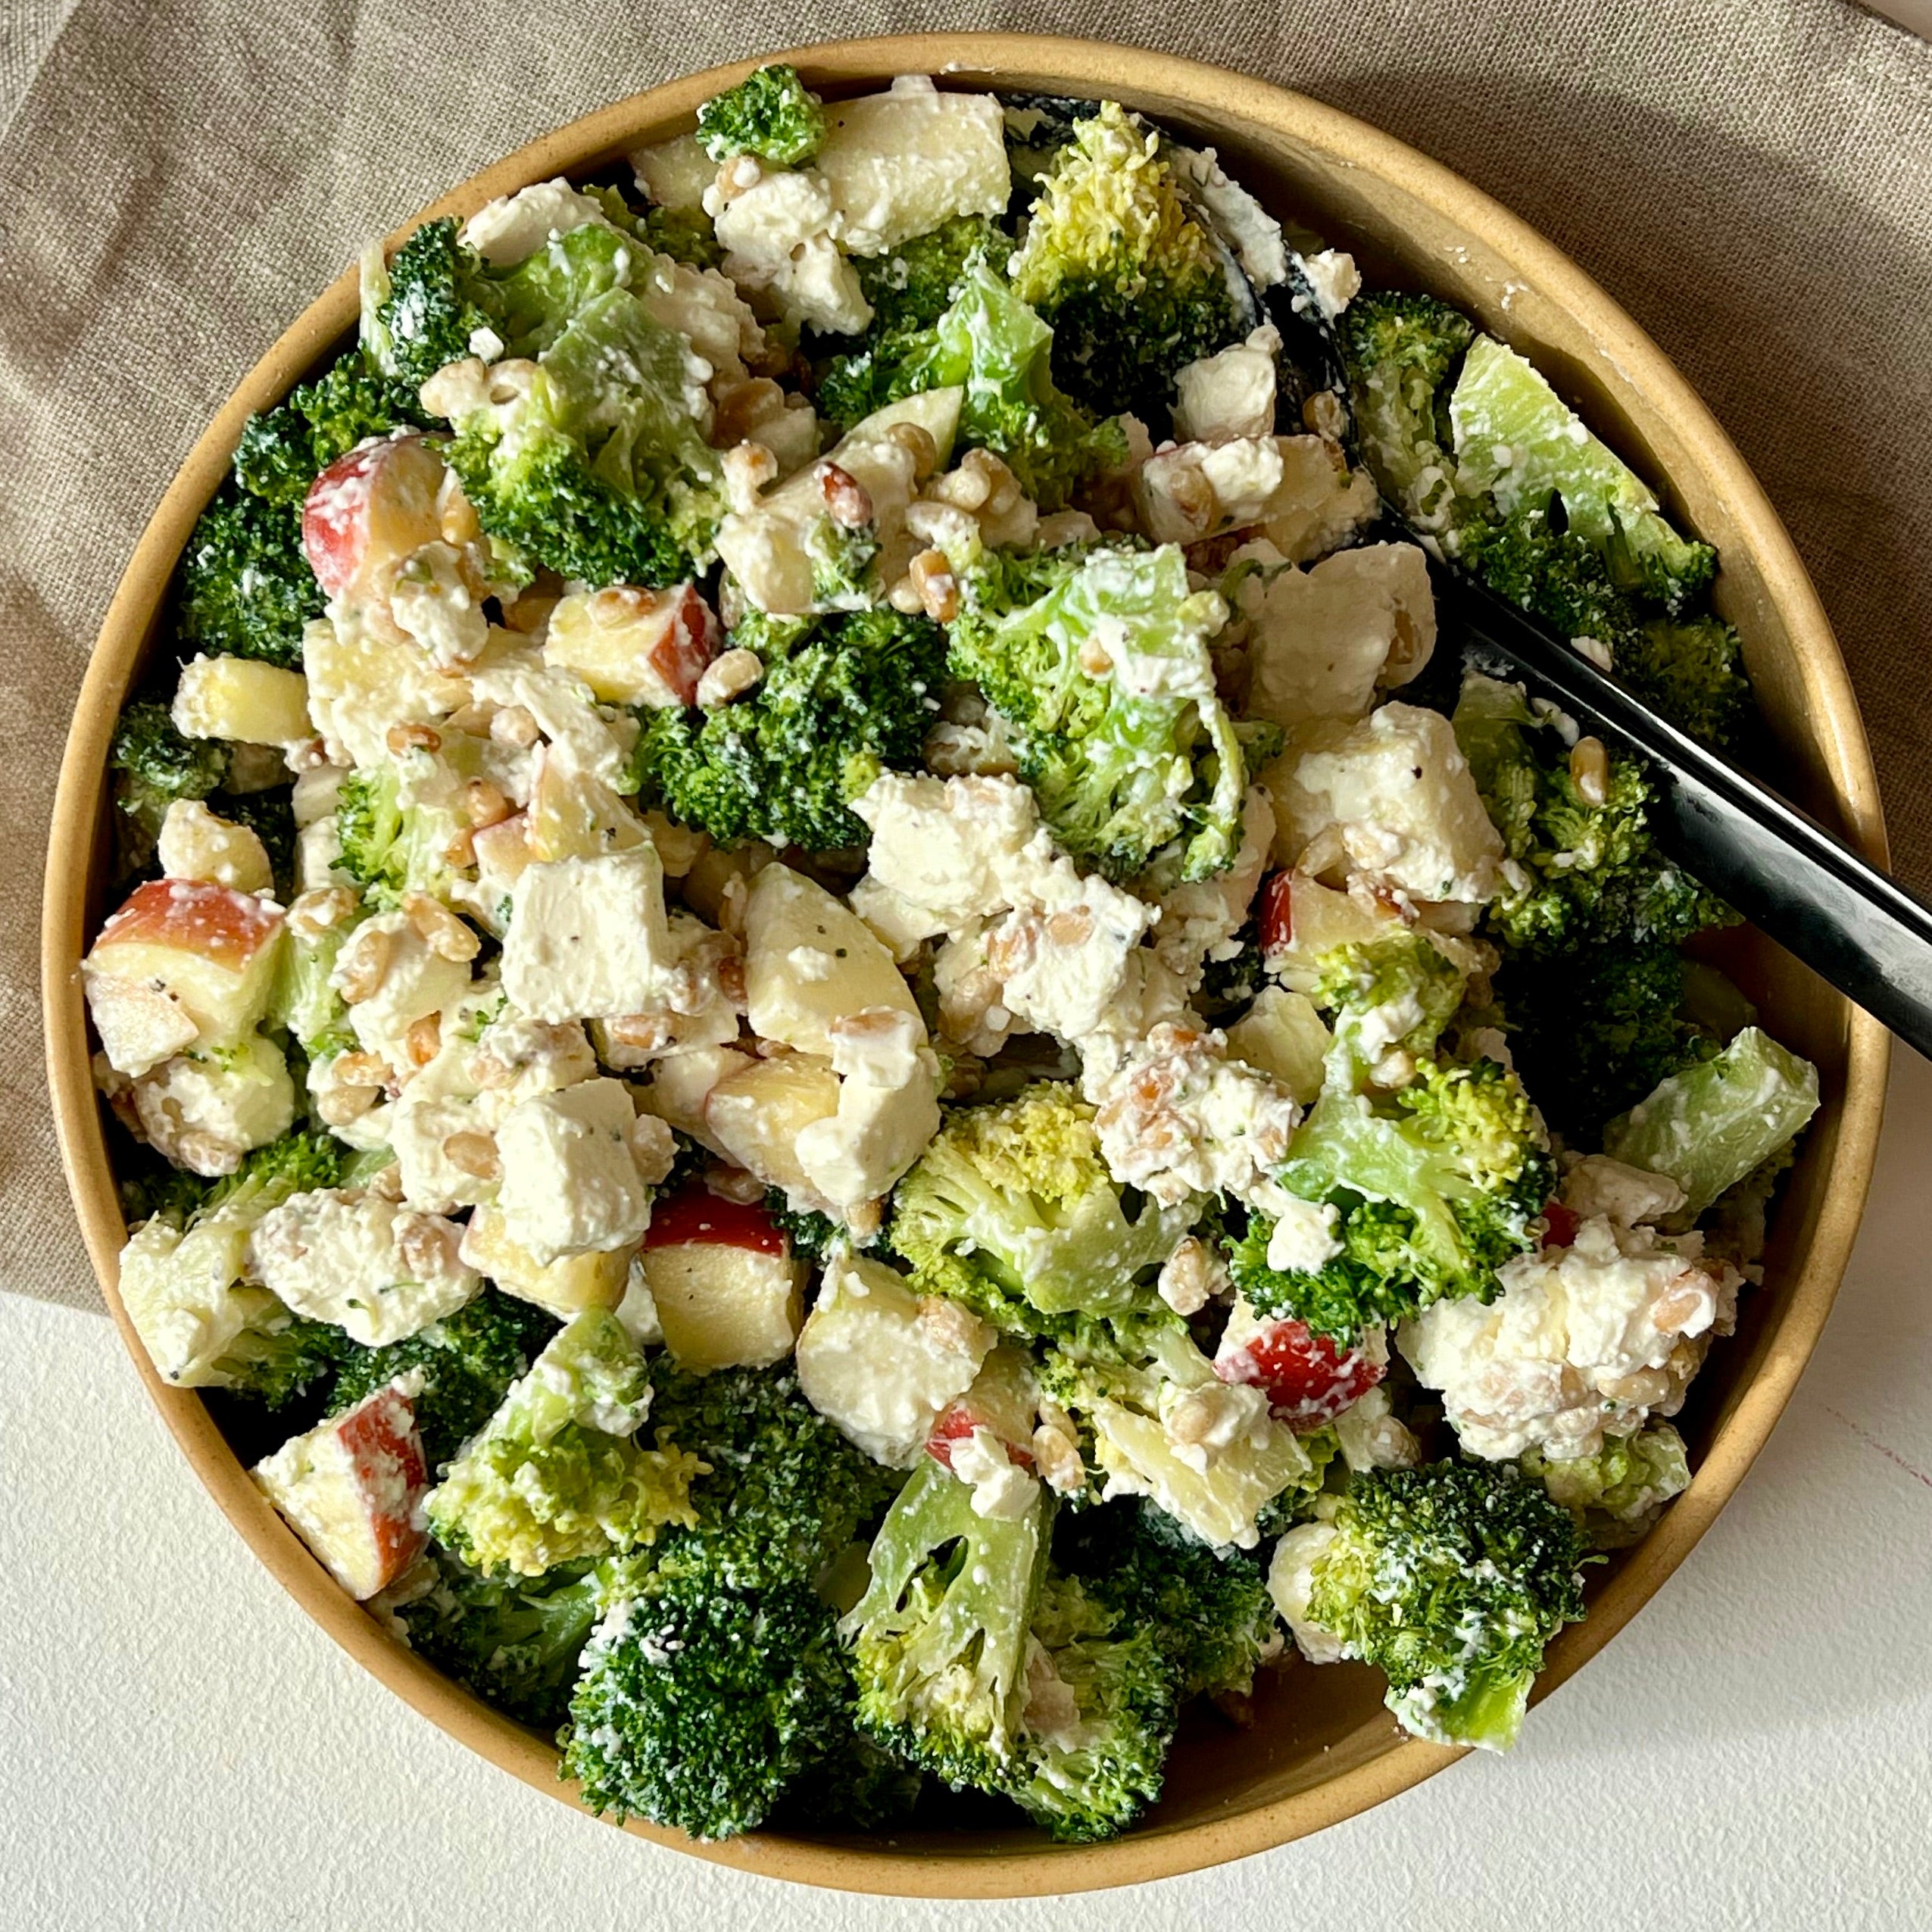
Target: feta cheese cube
point(948, 846)
point(514, 227)
point(1223, 397)
point(570, 1179)
point(588, 937)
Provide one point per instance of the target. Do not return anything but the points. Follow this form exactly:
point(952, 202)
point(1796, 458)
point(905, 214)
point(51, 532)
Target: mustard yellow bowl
point(1321, 1747)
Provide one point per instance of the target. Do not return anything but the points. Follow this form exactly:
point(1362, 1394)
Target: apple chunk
point(369, 509)
point(729, 1292)
point(755, 1115)
point(350, 1487)
point(565, 1286)
point(635, 646)
point(810, 960)
point(207, 950)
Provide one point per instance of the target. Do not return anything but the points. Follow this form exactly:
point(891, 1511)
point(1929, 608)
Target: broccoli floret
point(1595, 1037)
point(699, 1706)
point(1129, 783)
point(1400, 351)
point(854, 1786)
point(1401, 973)
point(784, 1492)
point(467, 1361)
point(1593, 873)
point(556, 1474)
point(684, 234)
point(1116, 261)
point(598, 469)
point(810, 1233)
point(1100, 1715)
point(1692, 672)
point(770, 113)
point(277, 1364)
point(1433, 1189)
point(1208, 1609)
point(1011, 1211)
point(283, 450)
point(939, 1640)
point(270, 816)
point(1228, 986)
point(991, 344)
point(243, 587)
point(389, 846)
point(909, 290)
point(857, 691)
point(1517, 443)
point(513, 1641)
point(420, 311)
point(154, 765)
point(1616, 1495)
point(1450, 1579)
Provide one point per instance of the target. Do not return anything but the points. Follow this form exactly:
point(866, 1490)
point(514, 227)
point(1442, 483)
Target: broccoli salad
point(838, 1042)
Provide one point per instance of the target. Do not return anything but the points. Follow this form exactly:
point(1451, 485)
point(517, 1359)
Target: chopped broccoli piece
point(852, 1786)
point(784, 1492)
point(391, 846)
point(1711, 1125)
point(468, 1361)
point(939, 1640)
point(1138, 771)
point(770, 113)
point(426, 305)
point(513, 1641)
point(1591, 872)
point(699, 1706)
point(1616, 1495)
point(283, 450)
point(1099, 1715)
point(1451, 1579)
point(1400, 351)
point(1400, 974)
point(1599, 1035)
point(1011, 1211)
point(810, 1233)
point(909, 290)
point(1209, 1608)
point(153, 766)
point(598, 469)
point(243, 587)
point(1434, 1188)
point(278, 1362)
point(852, 692)
point(555, 1474)
point(1691, 671)
point(684, 234)
point(1117, 261)
point(1518, 443)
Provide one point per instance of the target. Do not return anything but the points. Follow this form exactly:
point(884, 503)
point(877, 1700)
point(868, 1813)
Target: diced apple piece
point(1283, 1035)
point(681, 1084)
point(210, 950)
point(755, 1117)
point(1308, 1379)
point(195, 844)
point(565, 1286)
point(349, 1489)
point(635, 646)
point(573, 815)
point(243, 699)
point(1002, 1401)
point(883, 1364)
point(729, 1293)
point(900, 162)
point(140, 1025)
point(1301, 918)
point(810, 960)
point(369, 509)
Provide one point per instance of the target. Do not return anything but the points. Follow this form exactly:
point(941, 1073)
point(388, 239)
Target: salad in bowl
point(837, 1027)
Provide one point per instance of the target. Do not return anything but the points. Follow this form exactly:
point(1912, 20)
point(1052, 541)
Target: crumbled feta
point(1291, 1583)
point(949, 847)
point(1584, 1341)
point(1303, 1239)
point(514, 227)
point(380, 1271)
point(1598, 1185)
point(203, 1111)
point(588, 938)
point(194, 844)
point(1230, 396)
point(1001, 1489)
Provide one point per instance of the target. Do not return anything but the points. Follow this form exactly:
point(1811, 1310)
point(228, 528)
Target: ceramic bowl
point(1321, 1746)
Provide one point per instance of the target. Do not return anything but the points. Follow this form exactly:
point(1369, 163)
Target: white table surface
point(179, 1748)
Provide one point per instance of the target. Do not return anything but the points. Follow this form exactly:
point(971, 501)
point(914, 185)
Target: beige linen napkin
point(177, 179)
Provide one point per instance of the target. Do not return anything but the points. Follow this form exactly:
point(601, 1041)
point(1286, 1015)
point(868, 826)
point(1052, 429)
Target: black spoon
point(1849, 922)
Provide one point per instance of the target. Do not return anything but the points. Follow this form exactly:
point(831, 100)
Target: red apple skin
point(1277, 920)
point(689, 642)
point(957, 1425)
point(1308, 1380)
point(373, 506)
point(1560, 1224)
point(696, 1215)
point(386, 1454)
point(190, 915)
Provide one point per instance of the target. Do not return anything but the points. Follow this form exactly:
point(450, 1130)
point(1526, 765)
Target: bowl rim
point(875, 1866)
